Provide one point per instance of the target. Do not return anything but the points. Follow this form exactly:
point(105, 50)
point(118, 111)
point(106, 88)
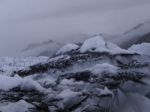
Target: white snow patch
point(8, 83)
point(58, 57)
point(97, 44)
point(70, 82)
point(114, 49)
point(67, 94)
point(105, 67)
point(29, 84)
point(47, 81)
point(106, 91)
point(93, 44)
point(67, 48)
point(143, 48)
point(20, 106)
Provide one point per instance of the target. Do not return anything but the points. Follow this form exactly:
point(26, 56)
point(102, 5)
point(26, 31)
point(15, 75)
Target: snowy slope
point(143, 48)
point(136, 35)
point(97, 44)
point(97, 76)
point(67, 48)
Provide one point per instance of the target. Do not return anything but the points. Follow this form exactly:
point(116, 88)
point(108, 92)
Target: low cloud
point(29, 21)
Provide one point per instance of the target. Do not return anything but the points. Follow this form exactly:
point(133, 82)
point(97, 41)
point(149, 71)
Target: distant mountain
point(50, 47)
point(144, 38)
point(46, 48)
point(136, 35)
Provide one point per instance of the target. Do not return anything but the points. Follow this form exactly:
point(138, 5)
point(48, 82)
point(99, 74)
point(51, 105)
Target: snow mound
point(20, 106)
point(97, 44)
point(143, 48)
point(67, 48)
point(94, 43)
point(106, 91)
point(68, 94)
point(105, 67)
point(8, 83)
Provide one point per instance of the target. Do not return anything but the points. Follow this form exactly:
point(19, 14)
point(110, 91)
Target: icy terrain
point(10, 64)
point(143, 48)
point(97, 76)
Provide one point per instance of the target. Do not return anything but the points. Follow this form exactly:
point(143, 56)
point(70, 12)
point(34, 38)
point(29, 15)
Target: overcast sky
point(28, 21)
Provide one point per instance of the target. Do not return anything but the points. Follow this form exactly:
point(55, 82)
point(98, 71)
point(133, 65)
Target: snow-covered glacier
point(10, 64)
point(96, 76)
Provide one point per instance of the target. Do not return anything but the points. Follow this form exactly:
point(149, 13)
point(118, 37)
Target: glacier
point(96, 76)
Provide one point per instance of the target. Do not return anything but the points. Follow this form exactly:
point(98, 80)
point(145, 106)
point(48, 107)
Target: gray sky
point(27, 21)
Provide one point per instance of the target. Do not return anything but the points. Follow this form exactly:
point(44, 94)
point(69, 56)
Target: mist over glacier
point(30, 21)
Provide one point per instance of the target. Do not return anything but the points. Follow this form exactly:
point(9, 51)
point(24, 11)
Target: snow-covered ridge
point(135, 34)
point(94, 44)
point(143, 48)
point(97, 44)
point(67, 48)
point(138, 30)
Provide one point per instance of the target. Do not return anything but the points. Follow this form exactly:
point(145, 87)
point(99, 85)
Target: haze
point(29, 21)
